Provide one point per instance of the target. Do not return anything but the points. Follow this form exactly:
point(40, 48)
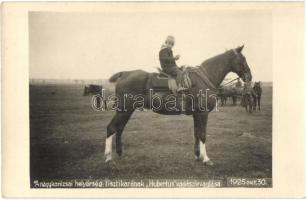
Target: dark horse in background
point(137, 83)
point(229, 92)
point(257, 95)
point(95, 90)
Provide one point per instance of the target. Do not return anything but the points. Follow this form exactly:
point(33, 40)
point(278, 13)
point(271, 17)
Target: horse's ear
point(239, 49)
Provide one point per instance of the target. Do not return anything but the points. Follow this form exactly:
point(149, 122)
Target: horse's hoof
point(119, 153)
point(197, 158)
point(208, 163)
point(108, 158)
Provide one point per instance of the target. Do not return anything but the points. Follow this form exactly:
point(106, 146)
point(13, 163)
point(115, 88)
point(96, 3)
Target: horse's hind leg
point(234, 100)
point(123, 119)
point(259, 102)
point(116, 126)
point(111, 130)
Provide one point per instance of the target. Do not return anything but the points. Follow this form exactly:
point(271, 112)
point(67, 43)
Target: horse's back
point(132, 81)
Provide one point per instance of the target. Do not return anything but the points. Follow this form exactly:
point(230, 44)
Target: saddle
point(163, 82)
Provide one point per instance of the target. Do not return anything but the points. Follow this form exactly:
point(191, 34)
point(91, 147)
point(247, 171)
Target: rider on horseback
point(167, 61)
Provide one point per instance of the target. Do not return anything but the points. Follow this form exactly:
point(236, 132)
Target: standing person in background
point(238, 84)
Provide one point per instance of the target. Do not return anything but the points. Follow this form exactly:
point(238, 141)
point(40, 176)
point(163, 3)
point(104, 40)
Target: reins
point(229, 82)
point(205, 78)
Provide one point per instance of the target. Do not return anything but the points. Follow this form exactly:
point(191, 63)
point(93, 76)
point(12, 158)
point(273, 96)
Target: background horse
point(229, 92)
point(133, 87)
point(257, 91)
point(96, 90)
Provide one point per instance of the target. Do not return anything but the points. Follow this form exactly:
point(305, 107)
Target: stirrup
point(181, 89)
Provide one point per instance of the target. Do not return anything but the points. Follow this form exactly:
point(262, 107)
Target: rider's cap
point(170, 39)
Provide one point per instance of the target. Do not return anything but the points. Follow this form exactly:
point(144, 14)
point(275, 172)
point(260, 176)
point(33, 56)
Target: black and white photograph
point(151, 99)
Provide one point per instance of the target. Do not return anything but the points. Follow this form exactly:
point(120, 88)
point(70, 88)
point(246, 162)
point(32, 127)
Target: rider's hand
point(177, 57)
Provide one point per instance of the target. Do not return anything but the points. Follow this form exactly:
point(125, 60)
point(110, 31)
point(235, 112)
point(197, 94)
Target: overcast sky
point(96, 45)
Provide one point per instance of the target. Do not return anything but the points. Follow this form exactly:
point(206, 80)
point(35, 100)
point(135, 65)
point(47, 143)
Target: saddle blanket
point(161, 81)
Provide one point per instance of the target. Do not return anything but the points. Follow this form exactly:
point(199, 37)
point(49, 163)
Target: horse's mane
point(214, 59)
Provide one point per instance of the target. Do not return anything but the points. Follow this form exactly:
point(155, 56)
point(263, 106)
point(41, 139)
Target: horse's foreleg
point(259, 102)
point(201, 128)
point(254, 103)
point(196, 138)
point(197, 148)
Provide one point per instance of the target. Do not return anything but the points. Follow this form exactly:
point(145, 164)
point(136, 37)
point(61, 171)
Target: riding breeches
point(175, 72)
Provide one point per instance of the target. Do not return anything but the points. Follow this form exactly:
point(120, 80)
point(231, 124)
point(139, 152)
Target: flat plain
point(67, 140)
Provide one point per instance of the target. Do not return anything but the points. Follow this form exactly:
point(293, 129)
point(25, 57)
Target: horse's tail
point(115, 77)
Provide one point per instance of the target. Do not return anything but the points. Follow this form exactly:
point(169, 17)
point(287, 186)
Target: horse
point(257, 91)
point(92, 89)
point(229, 92)
point(223, 94)
point(96, 90)
point(133, 87)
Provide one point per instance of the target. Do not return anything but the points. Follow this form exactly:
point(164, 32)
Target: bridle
point(245, 71)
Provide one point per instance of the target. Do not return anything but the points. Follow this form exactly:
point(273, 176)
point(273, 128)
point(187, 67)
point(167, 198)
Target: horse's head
point(257, 84)
point(240, 66)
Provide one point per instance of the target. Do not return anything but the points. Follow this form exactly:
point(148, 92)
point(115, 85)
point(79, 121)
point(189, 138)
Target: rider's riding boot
point(180, 88)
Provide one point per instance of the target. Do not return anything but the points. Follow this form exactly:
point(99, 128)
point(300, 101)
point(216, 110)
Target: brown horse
point(134, 88)
point(95, 90)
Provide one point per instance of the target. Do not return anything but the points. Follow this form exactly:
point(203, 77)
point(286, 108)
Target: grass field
point(67, 140)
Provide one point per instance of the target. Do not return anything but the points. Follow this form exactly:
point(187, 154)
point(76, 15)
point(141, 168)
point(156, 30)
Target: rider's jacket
point(166, 58)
